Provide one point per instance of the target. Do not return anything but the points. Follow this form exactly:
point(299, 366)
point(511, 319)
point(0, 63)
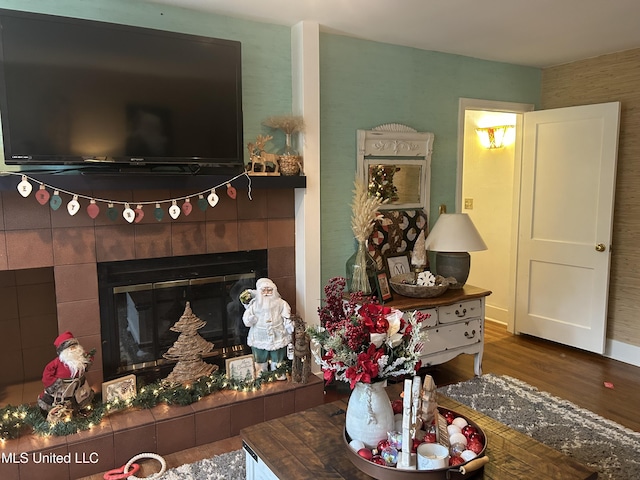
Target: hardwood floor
point(565, 372)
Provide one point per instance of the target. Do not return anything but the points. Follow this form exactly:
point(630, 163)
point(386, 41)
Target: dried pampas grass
point(364, 211)
point(287, 123)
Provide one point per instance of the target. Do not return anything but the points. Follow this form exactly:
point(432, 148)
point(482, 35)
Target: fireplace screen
point(141, 306)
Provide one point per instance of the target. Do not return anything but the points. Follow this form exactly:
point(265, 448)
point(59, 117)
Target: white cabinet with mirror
point(395, 162)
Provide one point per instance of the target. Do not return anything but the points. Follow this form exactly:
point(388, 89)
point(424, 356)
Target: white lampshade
point(453, 236)
point(454, 232)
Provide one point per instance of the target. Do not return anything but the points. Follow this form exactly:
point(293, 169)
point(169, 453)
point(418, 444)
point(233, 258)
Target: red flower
point(366, 367)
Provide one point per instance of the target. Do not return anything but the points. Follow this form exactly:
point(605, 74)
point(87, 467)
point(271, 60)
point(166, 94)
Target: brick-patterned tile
point(76, 282)
point(74, 245)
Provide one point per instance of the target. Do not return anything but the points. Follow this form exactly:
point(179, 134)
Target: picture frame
point(240, 368)
point(398, 263)
point(120, 389)
point(384, 289)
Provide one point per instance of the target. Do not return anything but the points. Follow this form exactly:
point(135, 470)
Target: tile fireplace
point(33, 236)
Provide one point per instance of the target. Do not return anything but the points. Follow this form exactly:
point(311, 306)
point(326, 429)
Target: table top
point(453, 295)
point(309, 445)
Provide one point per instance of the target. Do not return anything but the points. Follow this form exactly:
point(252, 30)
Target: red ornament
point(231, 191)
point(415, 443)
point(378, 460)
point(382, 444)
point(467, 430)
point(42, 195)
point(187, 207)
point(365, 453)
point(93, 210)
point(456, 460)
point(449, 417)
point(430, 438)
point(397, 406)
point(139, 214)
point(475, 446)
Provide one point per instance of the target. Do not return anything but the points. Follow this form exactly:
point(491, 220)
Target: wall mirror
point(395, 162)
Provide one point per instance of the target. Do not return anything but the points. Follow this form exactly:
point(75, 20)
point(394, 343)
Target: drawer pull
point(470, 335)
point(464, 312)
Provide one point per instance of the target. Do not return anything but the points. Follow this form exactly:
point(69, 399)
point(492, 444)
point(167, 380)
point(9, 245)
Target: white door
point(566, 215)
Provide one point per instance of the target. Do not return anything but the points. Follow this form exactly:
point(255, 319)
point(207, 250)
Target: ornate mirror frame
point(394, 148)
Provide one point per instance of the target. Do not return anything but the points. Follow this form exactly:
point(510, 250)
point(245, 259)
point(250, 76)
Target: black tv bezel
point(191, 164)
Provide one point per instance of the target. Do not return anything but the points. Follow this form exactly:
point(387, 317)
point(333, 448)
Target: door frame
point(507, 107)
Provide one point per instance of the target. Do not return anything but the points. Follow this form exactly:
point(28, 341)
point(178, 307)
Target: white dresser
point(455, 324)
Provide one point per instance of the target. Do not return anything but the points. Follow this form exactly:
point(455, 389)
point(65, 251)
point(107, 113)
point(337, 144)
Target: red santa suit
point(56, 376)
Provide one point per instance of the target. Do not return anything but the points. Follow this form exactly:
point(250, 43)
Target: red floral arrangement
point(364, 342)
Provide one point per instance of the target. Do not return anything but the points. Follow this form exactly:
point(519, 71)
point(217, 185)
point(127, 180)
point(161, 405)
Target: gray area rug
point(601, 444)
point(228, 466)
point(609, 448)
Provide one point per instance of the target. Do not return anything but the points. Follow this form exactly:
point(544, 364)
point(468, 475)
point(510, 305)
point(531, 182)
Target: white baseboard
point(623, 352)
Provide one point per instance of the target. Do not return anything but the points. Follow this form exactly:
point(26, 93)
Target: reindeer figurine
point(260, 158)
point(301, 368)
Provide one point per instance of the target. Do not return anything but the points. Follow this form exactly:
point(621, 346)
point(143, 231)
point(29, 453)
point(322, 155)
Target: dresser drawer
point(460, 311)
point(432, 319)
point(445, 337)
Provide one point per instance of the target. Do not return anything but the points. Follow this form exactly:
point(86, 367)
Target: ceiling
point(538, 33)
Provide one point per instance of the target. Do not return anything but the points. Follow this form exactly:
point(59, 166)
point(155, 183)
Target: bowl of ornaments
point(391, 459)
point(420, 284)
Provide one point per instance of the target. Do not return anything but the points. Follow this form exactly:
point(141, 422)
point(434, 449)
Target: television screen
point(76, 92)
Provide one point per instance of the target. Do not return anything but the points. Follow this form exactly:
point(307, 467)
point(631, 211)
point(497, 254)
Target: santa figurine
point(268, 317)
point(63, 377)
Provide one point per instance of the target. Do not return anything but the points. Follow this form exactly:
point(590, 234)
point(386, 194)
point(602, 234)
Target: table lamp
point(452, 238)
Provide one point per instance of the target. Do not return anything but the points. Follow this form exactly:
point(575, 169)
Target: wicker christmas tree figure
point(188, 350)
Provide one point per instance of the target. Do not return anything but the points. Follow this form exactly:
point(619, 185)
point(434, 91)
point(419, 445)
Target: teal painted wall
point(364, 84)
point(266, 48)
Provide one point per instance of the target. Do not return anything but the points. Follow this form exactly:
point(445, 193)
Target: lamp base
point(454, 264)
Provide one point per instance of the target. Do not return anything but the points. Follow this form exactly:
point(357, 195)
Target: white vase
point(369, 413)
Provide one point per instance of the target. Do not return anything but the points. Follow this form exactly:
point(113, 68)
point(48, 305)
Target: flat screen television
point(79, 92)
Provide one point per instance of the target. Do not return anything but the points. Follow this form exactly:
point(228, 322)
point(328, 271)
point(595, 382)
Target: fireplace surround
point(34, 236)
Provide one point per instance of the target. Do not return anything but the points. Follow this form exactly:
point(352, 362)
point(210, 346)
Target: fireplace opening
point(140, 300)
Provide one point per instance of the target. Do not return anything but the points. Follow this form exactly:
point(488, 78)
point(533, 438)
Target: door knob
point(600, 247)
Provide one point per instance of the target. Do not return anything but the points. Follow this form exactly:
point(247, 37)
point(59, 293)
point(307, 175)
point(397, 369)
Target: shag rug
point(611, 449)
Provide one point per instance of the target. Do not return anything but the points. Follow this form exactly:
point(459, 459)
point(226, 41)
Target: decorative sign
point(240, 368)
point(120, 389)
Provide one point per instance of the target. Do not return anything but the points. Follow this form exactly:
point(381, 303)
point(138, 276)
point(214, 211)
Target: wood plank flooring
point(566, 372)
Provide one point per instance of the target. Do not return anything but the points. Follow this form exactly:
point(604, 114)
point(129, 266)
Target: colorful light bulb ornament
point(73, 206)
point(158, 212)
point(174, 210)
point(24, 187)
point(231, 191)
point(213, 198)
point(112, 213)
point(93, 210)
point(42, 195)
point(187, 207)
point(55, 201)
point(202, 203)
point(139, 214)
point(128, 214)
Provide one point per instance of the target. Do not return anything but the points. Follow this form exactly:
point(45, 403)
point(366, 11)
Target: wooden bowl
point(404, 285)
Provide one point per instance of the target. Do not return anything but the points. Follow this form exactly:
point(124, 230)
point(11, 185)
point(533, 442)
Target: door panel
point(568, 185)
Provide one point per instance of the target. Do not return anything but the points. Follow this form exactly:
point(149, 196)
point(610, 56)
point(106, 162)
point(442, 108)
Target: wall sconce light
point(493, 137)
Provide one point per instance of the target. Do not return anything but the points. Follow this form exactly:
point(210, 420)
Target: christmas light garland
point(14, 420)
point(131, 215)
